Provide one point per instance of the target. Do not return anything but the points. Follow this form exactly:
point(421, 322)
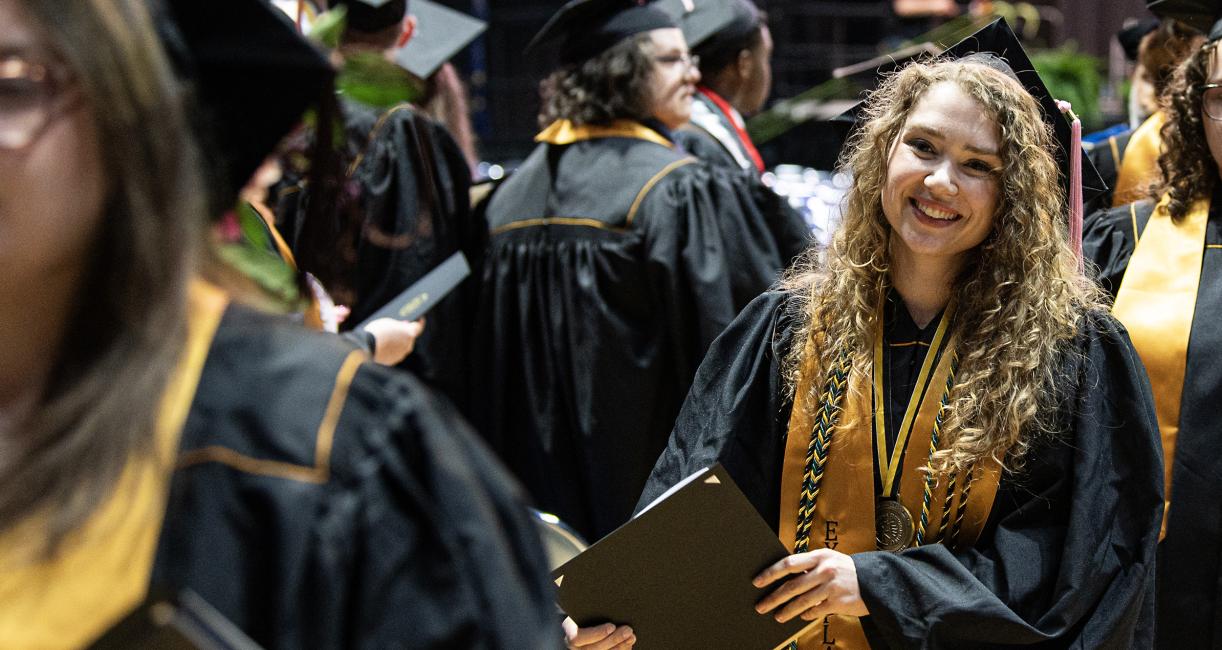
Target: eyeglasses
point(1211, 101)
point(688, 60)
point(30, 99)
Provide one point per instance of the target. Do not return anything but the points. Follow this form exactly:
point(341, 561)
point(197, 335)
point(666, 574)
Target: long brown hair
point(1188, 168)
point(1020, 296)
point(99, 406)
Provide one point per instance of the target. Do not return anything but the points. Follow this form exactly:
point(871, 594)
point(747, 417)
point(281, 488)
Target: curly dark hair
point(1163, 49)
point(613, 85)
point(1187, 167)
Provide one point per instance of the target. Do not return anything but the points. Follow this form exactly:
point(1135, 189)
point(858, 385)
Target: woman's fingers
point(600, 637)
point(798, 563)
point(790, 590)
point(809, 601)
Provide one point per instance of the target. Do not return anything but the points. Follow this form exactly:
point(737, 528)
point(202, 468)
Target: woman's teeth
point(936, 213)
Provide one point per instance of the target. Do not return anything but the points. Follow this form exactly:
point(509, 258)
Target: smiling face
point(943, 187)
point(673, 79)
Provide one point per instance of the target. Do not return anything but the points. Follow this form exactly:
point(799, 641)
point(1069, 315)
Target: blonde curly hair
point(1020, 295)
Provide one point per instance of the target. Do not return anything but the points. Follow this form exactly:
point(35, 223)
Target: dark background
point(812, 37)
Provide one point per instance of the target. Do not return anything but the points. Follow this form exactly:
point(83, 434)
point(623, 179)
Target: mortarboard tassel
point(1075, 181)
point(300, 15)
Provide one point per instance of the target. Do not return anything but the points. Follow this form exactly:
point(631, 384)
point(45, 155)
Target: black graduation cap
point(372, 15)
point(440, 33)
point(1198, 14)
point(587, 28)
point(254, 73)
point(708, 23)
point(998, 40)
point(1130, 37)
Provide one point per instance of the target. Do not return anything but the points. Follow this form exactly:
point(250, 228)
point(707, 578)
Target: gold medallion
point(893, 529)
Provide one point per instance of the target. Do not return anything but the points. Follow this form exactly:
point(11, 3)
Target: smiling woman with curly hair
point(951, 435)
point(1160, 259)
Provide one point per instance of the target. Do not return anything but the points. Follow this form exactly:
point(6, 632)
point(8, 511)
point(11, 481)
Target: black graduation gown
point(613, 263)
point(406, 534)
point(1107, 156)
point(1190, 557)
point(1066, 557)
point(412, 186)
point(711, 137)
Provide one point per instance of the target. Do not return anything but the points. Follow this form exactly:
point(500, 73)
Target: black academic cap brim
point(585, 28)
point(254, 73)
point(706, 21)
point(1130, 37)
point(997, 39)
point(371, 16)
point(1198, 14)
point(440, 33)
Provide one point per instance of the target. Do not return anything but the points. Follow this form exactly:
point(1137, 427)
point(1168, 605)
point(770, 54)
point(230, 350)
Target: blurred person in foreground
point(615, 259)
point(950, 433)
point(159, 434)
point(1161, 258)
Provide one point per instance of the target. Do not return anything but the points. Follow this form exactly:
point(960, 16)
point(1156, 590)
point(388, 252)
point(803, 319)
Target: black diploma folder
point(425, 292)
point(680, 572)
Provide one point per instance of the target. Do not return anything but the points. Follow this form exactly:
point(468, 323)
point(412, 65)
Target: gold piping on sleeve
point(339, 395)
point(1133, 215)
point(636, 203)
point(554, 221)
point(1115, 152)
point(373, 133)
point(325, 439)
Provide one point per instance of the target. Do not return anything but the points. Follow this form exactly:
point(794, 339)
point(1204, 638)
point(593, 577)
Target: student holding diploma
point(952, 435)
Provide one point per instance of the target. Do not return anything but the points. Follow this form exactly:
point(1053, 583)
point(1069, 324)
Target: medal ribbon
point(888, 467)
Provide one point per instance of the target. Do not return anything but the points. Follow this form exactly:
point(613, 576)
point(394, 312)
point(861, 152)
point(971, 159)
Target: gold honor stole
point(1139, 166)
point(1156, 301)
point(844, 516)
point(104, 567)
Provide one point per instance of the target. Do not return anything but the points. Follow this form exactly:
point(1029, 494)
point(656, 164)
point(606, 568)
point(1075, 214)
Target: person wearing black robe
point(404, 208)
point(834, 402)
point(614, 261)
point(313, 499)
point(734, 44)
point(1159, 260)
point(322, 501)
point(1046, 528)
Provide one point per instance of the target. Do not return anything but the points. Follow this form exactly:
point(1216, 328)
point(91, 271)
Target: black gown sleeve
point(1067, 559)
point(318, 513)
point(443, 552)
point(1108, 241)
point(736, 412)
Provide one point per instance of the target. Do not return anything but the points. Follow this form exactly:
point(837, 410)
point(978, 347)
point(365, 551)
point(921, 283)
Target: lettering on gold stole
point(828, 642)
point(830, 538)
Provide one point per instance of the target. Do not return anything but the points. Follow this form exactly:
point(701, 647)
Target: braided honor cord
point(933, 447)
point(816, 452)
